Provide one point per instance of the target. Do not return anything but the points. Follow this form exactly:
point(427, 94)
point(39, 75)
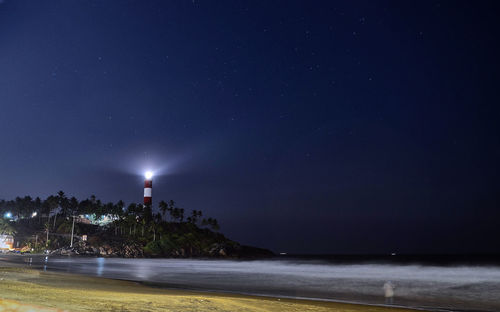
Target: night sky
point(302, 126)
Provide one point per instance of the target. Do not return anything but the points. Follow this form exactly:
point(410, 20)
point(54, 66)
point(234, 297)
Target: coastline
point(420, 287)
point(74, 292)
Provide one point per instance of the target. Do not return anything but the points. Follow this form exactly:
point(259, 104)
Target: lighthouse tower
point(148, 187)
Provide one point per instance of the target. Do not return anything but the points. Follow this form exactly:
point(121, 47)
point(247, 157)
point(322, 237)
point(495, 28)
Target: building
point(92, 219)
point(6, 242)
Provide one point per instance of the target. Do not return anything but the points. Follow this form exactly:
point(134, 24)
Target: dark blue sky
point(303, 126)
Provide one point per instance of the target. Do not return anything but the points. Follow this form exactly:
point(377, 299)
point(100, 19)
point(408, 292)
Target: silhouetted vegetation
point(165, 231)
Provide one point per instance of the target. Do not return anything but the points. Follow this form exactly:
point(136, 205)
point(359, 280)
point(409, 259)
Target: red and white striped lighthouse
point(148, 187)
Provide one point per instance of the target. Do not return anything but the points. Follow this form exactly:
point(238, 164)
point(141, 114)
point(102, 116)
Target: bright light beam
point(148, 175)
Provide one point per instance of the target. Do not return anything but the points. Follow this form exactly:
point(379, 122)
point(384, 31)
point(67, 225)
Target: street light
point(72, 231)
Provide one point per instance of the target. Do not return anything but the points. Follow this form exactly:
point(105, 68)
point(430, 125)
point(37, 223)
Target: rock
point(220, 248)
point(102, 251)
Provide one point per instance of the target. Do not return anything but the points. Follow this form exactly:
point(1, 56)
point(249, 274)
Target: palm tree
point(50, 204)
point(178, 214)
point(212, 222)
point(63, 202)
point(195, 216)
point(153, 225)
point(163, 207)
point(147, 213)
point(37, 206)
point(157, 217)
point(170, 209)
point(73, 206)
point(6, 228)
point(143, 223)
point(47, 227)
point(215, 225)
point(118, 208)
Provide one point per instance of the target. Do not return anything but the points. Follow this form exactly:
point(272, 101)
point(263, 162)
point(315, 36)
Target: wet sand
point(71, 292)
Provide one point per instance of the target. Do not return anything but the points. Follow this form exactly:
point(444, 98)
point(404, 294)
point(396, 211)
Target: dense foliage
point(48, 223)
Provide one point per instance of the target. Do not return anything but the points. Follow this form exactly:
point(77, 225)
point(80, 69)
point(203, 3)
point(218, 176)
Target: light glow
point(148, 175)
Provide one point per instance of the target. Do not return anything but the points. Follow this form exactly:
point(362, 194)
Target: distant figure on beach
point(389, 292)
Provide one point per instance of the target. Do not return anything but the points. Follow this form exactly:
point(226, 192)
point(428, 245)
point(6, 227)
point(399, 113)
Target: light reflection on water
point(100, 266)
point(463, 287)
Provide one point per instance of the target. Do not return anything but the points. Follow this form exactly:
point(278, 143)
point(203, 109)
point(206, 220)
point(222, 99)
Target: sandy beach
point(71, 292)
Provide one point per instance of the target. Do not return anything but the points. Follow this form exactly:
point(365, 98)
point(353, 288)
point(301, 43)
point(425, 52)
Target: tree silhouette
point(72, 206)
point(49, 205)
point(63, 202)
point(163, 208)
point(178, 214)
point(195, 216)
point(152, 225)
point(6, 228)
point(213, 223)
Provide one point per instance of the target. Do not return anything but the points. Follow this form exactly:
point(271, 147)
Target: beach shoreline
point(74, 292)
point(419, 287)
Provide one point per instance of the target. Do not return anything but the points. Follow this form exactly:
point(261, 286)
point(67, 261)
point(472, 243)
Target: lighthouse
point(148, 187)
